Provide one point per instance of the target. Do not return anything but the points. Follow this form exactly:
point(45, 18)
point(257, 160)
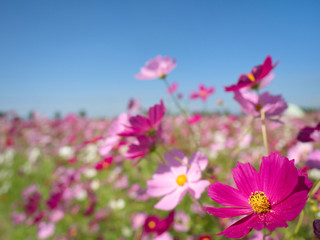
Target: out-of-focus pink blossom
point(140, 125)
point(194, 119)
point(172, 88)
point(133, 105)
point(45, 230)
point(314, 159)
point(259, 77)
point(113, 139)
point(17, 218)
point(272, 105)
point(309, 134)
point(181, 222)
point(141, 147)
point(175, 179)
point(104, 164)
point(159, 67)
point(203, 93)
point(300, 151)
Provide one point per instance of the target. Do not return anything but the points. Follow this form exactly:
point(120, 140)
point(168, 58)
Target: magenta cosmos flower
point(309, 134)
point(203, 93)
point(140, 125)
point(269, 198)
point(259, 76)
point(177, 178)
point(159, 67)
point(272, 105)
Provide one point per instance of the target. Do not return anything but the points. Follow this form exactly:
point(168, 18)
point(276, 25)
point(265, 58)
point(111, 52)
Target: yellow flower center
point(181, 180)
point(151, 224)
point(105, 164)
point(259, 202)
point(203, 93)
point(251, 77)
point(206, 238)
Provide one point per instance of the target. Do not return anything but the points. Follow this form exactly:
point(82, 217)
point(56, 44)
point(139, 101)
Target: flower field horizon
point(148, 174)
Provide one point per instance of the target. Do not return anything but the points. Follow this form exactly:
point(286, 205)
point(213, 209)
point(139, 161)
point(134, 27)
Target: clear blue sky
point(69, 55)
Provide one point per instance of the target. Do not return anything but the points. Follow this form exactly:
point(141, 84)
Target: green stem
point(184, 113)
point(264, 131)
point(296, 230)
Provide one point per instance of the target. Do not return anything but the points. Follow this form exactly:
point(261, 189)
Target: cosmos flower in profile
point(204, 93)
point(259, 77)
point(174, 180)
point(141, 125)
point(273, 105)
point(268, 198)
point(159, 67)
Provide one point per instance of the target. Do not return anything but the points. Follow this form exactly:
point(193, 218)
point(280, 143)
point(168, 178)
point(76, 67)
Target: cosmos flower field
point(148, 174)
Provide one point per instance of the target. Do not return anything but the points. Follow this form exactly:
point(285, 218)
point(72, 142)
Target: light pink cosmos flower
point(203, 93)
point(269, 198)
point(273, 105)
point(159, 67)
point(177, 178)
point(172, 88)
point(113, 139)
point(45, 230)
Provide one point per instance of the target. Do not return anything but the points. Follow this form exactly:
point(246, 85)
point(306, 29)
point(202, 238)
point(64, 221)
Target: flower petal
point(156, 188)
point(279, 177)
point(291, 207)
point(228, 196)
point(177, 167)
point(171, 200)
point(240, 228)
point(198, 162)
point(197, 188)
point(228, 212)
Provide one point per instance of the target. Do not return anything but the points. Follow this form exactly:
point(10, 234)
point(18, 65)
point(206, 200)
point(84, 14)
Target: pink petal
point(246, 178)
point(279, 177)
point(197, 188)
point(198, 163)
point(228, 196)
point(228, 212)
point(176, 166)
point(157, 188)
point(240, 228)
point(156, 113)
point(163, 236)
point(171, 200)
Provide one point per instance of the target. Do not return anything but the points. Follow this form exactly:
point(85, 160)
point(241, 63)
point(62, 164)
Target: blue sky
point(71, 55)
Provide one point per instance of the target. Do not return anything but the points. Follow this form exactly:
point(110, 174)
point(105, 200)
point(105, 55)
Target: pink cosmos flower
point(172, 88)
point(177, 178)
point(314, 159)
point(194, 119)
point(269, 198)
point(154, 225)
point(133, 105)
point(309, 134)
point(259, 76)
point(273, 105)
point(104, 164)
point(141, 147)
point(140, 125)
point(159, 67)
point(113, 139)
point(45, 230)
point(203, 93)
